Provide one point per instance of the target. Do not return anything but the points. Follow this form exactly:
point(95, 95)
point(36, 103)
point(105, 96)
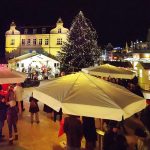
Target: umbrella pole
point(100, 137)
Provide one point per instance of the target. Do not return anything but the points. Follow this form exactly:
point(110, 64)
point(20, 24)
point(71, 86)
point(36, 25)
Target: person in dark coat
point(48, 110)
point(10, 95)
point(113, 139)
point(12, 118)
point(34, 109)
point(89, 132)
point(3, 110)
point(74, 132)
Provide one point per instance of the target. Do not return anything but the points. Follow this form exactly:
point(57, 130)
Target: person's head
point(113, 125)
point(11, 87)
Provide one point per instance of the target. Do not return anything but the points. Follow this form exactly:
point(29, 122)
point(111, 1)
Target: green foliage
point(81, 49)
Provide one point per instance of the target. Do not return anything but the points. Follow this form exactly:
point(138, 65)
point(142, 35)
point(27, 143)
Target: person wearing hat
point(12, 118)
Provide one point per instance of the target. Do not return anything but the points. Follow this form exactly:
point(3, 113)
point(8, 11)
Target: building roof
point(35, 29)
point(119, 64)
point(34, 56)
point(145, 65)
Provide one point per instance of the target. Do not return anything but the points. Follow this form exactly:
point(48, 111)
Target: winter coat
point(10, 96)
point(18, 90)
point(73, 130)
point(12, 114)
point(89, 129)
point(34, 108)
point(3, 110)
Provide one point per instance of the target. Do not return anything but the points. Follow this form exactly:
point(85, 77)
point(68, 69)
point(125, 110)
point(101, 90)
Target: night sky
point(115, 21)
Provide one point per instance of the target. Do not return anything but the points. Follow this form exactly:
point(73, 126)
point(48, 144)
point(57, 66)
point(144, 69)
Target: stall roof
point(119, 64)
point(145, 65)
point(22, 57)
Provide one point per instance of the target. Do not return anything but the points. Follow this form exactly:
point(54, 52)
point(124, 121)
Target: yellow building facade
point(143, 71)
point(39, 39)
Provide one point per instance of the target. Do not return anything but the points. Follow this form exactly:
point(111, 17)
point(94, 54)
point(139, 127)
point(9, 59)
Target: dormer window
point(59, 30)
point(34, 31)
point(25, 31)
point(43, 30)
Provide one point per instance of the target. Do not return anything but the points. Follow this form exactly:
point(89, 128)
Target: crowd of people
point(40, 73)
point(76, 127)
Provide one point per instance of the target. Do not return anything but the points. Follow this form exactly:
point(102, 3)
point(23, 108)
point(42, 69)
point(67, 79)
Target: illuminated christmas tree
point(81, 49)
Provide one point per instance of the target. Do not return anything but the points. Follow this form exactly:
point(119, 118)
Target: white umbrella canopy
point(84, 95)
point(107, 70)
point(11, 76)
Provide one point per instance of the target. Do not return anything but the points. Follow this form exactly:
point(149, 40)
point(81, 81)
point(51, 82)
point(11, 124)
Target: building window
point(140, 73)
point(25, 31)
point(46, 41)
point(12, 42)
point(34, 41)
point(59, 30)
point(23, 41)
point(28, 42)
point(22, 64)
point(43, 30)
point(59, 41)
point(40, 41)
point(34, 31)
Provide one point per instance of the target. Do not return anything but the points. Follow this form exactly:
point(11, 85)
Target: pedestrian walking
point(18, 90)
point(34, 109)
point(12, 118)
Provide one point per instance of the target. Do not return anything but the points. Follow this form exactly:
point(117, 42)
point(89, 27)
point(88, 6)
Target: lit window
point(59, 30)
point(25, 31)
point(40, 41)
point(59, 41)
point(140, 73)
point(43, 30)
point(46, 41)
point(34, 41)
point(23, 41)
point(34, 31)
point(12, 42)
point(28, 42)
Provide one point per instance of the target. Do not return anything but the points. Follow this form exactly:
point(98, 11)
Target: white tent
point(84, 95)
point(110, 71)
point(35, 60)
point(10, 76)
